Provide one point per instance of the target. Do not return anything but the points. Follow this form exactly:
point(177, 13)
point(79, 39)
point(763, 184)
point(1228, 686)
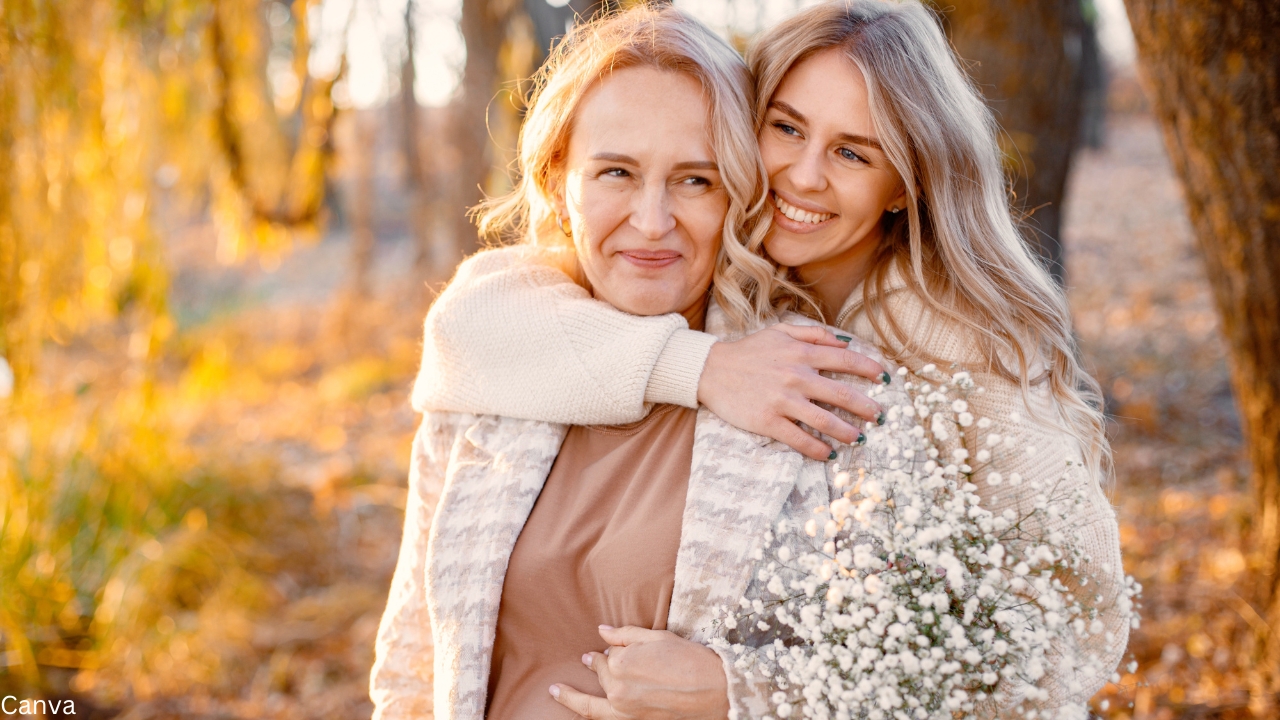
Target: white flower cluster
point(922, 603)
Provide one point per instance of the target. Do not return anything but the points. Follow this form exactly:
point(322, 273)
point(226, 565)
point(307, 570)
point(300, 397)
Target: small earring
point(565, 227)
point(896, 210)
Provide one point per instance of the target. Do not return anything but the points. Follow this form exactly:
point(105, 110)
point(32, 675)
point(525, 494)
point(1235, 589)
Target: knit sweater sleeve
point(513, 336)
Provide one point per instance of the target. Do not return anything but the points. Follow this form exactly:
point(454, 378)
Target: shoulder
point(509, 264)
point(932, 337)
point(496, 259)
point(858, 344)
point(924, 333)
point(491, 283)
point(450, 439)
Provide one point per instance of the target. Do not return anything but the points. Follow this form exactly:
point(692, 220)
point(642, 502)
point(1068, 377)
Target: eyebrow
point(686, 165)
point(844, 137)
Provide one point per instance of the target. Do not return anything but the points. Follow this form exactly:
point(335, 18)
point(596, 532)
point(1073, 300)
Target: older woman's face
point(643, 193)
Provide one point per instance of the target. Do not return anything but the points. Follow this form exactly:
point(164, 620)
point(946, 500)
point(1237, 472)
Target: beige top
point(599, 548)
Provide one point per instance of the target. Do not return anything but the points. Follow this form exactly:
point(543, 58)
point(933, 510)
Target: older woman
point(889, 208)
point(548, 537)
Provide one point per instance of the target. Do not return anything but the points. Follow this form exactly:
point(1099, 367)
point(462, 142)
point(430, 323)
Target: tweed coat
point(487, 472)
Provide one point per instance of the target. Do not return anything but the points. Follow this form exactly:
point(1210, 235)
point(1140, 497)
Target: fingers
point(802, 442)
point(824, 422)
point(843, 361)
point(838, 394)
point(811, 334)
point(627, 634)
point(588, 706)
point(599, 664)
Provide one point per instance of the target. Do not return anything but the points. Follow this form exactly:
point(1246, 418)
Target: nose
point(651, 211)
point(808, 172)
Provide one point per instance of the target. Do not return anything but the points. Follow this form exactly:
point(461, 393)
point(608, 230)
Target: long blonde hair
point(748, 287)
point(957, 246)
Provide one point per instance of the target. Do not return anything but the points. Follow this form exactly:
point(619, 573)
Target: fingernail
point(884, 378)
point(586, 659)
point(862, 439)
point(606, 650)
point(880, 418)
point(606, 627)
point(844, 338)
point(832, 456)
point(555, 691)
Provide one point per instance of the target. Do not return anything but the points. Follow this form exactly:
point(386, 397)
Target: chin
point(642, 303)
point(787, 254)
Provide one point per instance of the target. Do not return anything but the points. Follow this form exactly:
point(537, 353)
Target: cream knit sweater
point(512, 336)
point(516, 338)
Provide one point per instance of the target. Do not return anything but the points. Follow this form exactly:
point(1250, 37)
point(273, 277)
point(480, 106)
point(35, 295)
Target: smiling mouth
point(801, 216)
point(651, 258)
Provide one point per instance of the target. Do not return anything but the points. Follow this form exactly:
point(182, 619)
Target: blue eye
point(786, 129)
point(616, 172)
point(850, 155)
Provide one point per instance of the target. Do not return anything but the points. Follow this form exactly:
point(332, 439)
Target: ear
point(555, 195)
point(898, 201)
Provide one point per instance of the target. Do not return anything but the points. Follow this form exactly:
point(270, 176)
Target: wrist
point(678, 371)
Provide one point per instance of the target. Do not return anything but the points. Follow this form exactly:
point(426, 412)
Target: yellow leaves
point(196, 520)
point(120, 253)
point(29, 272)
point(208, 374)
point(330, 438)
point(99, 278)
point(1226, 564)
point(355, 380)
point(1220, 505)
point(1178, 503)
point(1199, 645)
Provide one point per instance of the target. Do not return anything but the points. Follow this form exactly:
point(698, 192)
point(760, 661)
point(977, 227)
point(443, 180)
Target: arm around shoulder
point(512, 335)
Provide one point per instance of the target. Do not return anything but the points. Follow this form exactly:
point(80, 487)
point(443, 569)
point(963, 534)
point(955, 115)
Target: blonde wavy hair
point(747, 286)
point(957, 245)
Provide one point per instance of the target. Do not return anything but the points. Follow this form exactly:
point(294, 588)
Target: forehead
point(644, 106)
point(830, 91)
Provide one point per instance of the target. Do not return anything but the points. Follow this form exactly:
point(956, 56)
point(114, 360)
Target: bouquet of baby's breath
point(921, 602)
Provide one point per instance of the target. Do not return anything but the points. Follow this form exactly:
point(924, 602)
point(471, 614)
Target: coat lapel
point(738, 486)
point(498, 467)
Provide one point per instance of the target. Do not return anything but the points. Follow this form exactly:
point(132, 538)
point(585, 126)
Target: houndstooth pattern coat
point(483, 475)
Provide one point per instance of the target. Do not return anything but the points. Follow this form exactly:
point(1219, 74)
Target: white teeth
point(799, 215)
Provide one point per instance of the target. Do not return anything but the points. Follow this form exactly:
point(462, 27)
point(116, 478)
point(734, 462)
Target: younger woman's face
point(643, 193)
point(830, 181)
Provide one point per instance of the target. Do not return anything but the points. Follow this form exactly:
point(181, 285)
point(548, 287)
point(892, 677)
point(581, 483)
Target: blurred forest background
point(221, 223)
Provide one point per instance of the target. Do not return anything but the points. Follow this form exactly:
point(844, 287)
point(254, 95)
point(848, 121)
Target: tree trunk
point(1026, 56)
point(1213, 67)
point(363, 237)
point(416, 178)
point(551, 23)
point(484, 25)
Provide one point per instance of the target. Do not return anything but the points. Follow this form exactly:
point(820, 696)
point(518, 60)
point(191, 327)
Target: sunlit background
point(222, 222)
point(377, 31)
